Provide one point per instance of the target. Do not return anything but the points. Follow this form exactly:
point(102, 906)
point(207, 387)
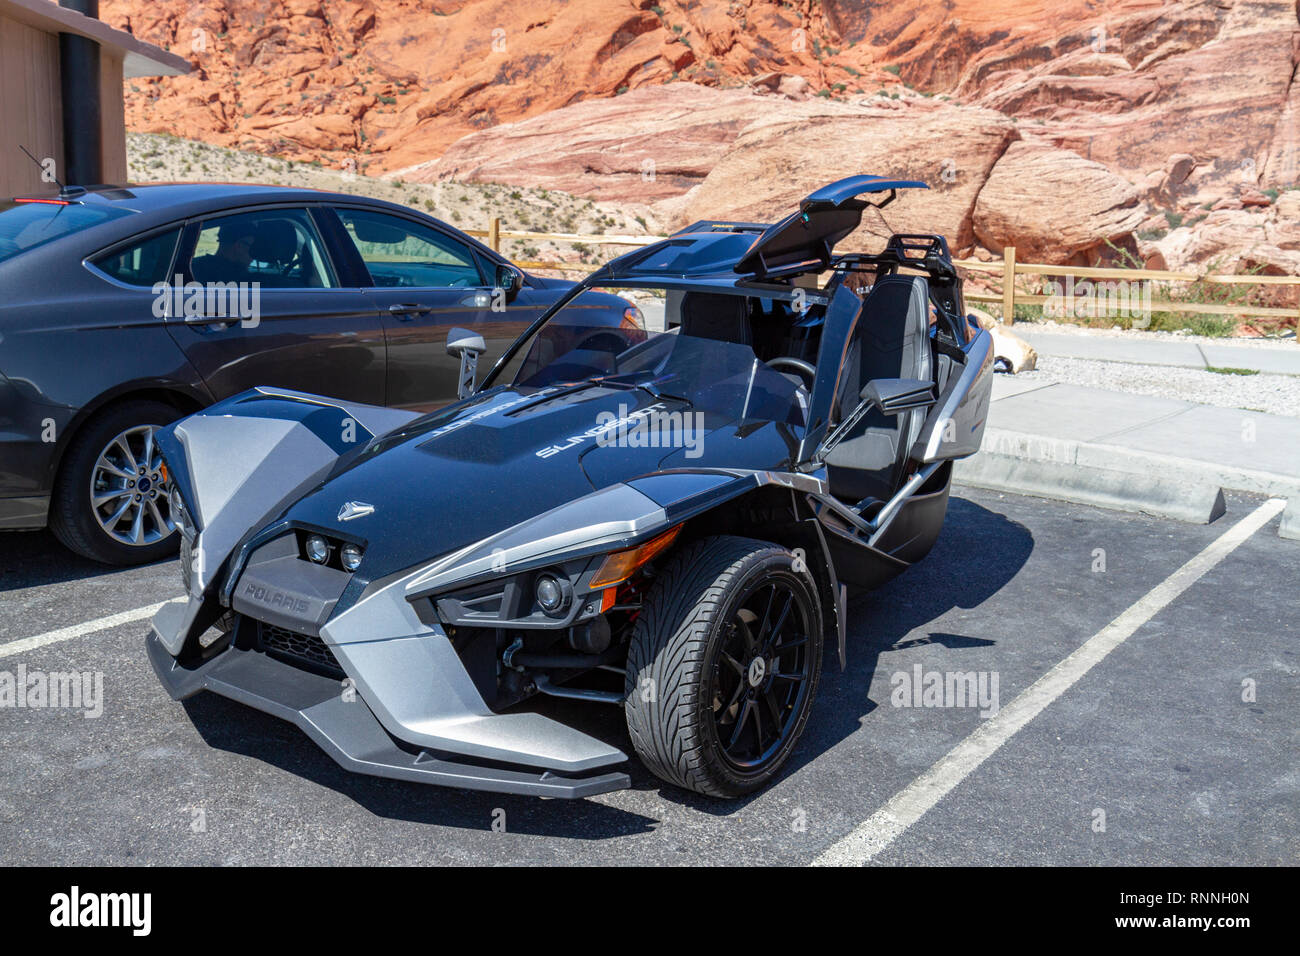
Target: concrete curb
point(1290, 527)
point(1069, 451)
point(1123, 479)
point(1195, 501)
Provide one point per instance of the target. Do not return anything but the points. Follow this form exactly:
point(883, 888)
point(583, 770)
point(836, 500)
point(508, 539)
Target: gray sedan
point(124, 309)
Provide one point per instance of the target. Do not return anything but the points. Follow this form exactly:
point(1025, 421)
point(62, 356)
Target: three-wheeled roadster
point(663, 516)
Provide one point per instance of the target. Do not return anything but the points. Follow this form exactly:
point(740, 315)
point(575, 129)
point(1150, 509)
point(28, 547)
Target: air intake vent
point(298, 648)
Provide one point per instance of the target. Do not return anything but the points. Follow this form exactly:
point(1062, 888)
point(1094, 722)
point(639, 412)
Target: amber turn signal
point(621, 565)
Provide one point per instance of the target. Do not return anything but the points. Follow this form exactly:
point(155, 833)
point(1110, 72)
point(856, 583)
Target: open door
point(899, 417)
point(867, 457)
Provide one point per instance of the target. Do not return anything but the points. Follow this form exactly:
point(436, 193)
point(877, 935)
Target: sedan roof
point(132, 210)
point(155, 196)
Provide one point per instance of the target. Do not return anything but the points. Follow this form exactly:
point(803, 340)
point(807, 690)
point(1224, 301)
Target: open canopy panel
point(804, 240)
point(749, 251)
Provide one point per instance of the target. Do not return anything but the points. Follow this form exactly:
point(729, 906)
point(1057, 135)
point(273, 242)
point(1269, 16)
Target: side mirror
point(896, 395)
point(509, 280)
point(892, 396)
point(468, 346)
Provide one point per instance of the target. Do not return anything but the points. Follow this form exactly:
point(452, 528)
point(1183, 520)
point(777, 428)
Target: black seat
point(214, 268)
point(276, 243)
point(711, 315)
point(891, 340)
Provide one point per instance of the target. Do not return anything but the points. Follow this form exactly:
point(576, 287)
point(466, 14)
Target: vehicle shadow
point(978, 552)
point(31, 558)
point(226, 725)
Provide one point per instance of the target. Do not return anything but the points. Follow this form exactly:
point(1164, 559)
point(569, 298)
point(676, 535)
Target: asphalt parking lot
point(1157, 754)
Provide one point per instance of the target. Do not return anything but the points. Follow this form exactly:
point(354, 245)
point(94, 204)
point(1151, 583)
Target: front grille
point(301, 647)
point(187, 562)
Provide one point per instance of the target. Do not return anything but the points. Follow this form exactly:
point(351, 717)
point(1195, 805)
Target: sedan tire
point(110, 499)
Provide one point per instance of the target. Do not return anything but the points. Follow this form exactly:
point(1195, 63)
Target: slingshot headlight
point(552, 593)
point(317, 549)
point(350, 557)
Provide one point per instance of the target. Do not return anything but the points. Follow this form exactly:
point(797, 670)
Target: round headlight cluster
point(317, 549)
point(350, 557)
point(552, 593)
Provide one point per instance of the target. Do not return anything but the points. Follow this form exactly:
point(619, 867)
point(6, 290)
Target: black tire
point(72, 516)
point(675, 665)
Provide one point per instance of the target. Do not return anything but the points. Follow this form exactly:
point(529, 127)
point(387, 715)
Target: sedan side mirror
point(509, 280)
point(468, 346)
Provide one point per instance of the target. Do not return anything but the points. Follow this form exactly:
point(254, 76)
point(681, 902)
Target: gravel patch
point(1274, 394)
point(1065, 328)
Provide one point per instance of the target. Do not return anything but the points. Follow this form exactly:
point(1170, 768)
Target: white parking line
point(911, 803)
point(81, 630)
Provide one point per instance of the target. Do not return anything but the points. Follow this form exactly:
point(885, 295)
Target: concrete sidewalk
point(1134, 452)
point(1280, 358)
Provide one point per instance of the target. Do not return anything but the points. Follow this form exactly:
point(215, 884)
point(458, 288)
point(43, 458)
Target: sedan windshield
point(693, 346)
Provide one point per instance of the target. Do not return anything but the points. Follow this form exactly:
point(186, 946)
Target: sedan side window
point(144, 263)
point(403, 254)
point(277, 248)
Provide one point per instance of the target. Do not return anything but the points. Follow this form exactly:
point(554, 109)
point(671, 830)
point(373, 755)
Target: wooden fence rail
point(1009, 297)
point(1006, 270)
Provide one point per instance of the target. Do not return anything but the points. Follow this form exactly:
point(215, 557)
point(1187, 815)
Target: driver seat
point(891, 340)
point(276, 243)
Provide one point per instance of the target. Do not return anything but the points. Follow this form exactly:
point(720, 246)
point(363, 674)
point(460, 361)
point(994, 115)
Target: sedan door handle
point(210, 324)
point(405, 310)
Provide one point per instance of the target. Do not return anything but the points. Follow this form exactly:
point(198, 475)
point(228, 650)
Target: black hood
point(461, 475)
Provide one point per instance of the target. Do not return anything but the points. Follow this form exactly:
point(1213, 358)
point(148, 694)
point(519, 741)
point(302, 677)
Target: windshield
point(709, 349)
point(25, 225)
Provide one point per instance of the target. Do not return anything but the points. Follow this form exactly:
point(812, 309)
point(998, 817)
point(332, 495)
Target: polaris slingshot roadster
point(664, 516)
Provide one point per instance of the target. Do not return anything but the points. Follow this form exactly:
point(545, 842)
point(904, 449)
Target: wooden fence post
point(1009, 285)
point(494, 234)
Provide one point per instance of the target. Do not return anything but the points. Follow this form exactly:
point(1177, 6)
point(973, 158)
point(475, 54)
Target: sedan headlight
point(633, 320)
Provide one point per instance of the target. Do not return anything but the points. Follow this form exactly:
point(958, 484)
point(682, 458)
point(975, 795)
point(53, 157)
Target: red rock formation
point(414, 76)
point(1055, 206)
point(643, 146)
point(1189, 101)
point(953, 148)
